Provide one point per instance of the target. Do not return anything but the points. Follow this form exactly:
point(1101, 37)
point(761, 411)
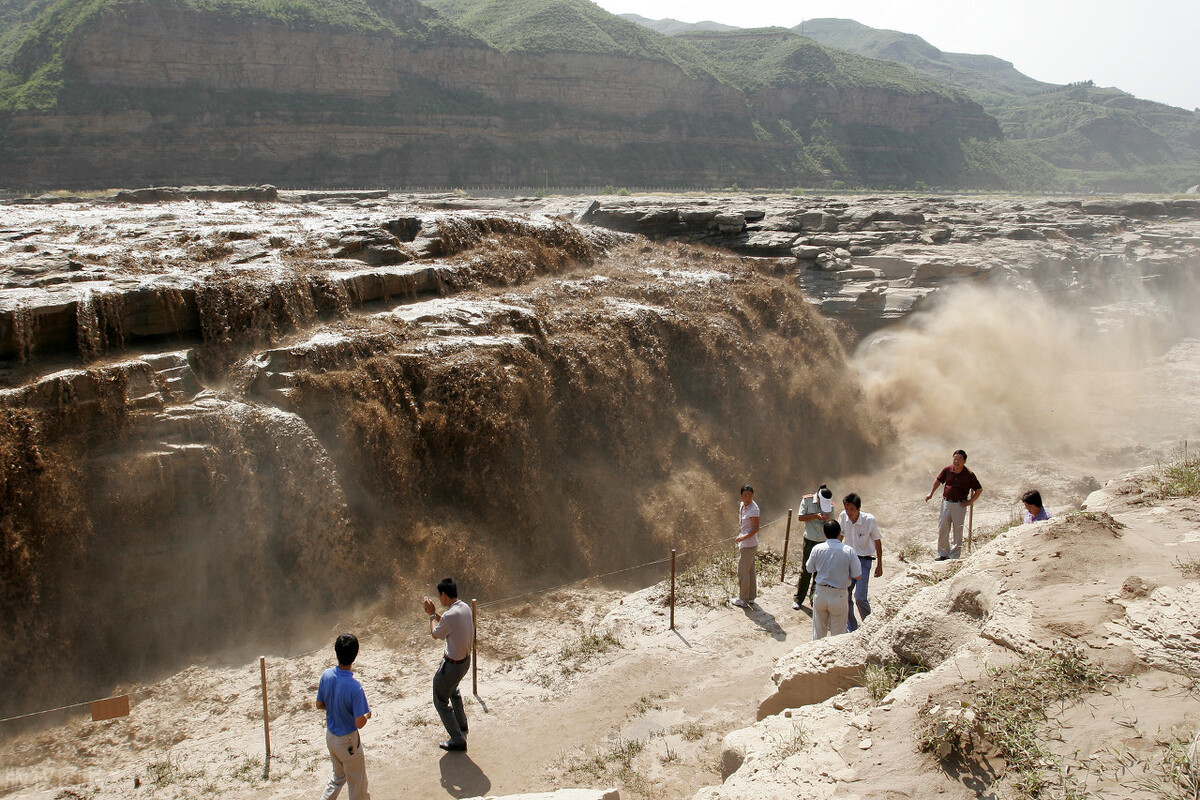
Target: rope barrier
point(66, 707)
point(700, 548)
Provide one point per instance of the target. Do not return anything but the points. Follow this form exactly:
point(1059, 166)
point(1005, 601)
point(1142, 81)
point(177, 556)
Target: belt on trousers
point(828, 585)
point(868, 558)
point(452, 661)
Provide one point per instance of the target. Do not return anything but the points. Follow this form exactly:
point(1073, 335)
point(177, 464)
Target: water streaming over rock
point(562, 412)
point(235, 431)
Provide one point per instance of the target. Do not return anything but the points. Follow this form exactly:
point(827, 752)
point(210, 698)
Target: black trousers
point(806, 577)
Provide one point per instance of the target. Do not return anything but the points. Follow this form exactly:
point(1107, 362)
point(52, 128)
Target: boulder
point(729, 223)
point(807, 252)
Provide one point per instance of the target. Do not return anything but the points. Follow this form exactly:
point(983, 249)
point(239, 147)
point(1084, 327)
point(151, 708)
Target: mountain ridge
point(484, 92)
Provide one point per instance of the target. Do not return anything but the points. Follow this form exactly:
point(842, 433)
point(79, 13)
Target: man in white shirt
point(457, 627)
point(835, 566)
point(861, 532)
point(747, 542)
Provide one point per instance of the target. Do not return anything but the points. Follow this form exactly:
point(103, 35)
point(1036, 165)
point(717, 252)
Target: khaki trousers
point(349, 766)
point(951, 518)
point(829, 611)
point(747, 582)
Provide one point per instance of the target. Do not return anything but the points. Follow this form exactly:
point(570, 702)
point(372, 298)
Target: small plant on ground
point(790, 741)
point(168, 772)
point(690, 731)
point(1167, 773)
point(948, 570)
point(881, 679)
point(1182, 479)
point(712, 578)
point(709, 580)
point(913, 552)
point(592, 643)
point(1009, 713)
point(1190, 567)
point(615, 762)
point(249, 769)
point(1173, 775)
point(647, 703)
point(985, 533)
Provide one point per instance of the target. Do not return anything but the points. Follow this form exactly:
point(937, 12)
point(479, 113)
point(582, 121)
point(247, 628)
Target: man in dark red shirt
point(961, 492)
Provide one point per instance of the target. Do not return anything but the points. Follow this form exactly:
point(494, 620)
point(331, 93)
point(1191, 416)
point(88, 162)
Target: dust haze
point(1042, 390)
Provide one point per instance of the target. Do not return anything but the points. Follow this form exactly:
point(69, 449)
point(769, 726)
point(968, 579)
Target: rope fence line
point(67, 707)
point(699, 548)
point(491, 604)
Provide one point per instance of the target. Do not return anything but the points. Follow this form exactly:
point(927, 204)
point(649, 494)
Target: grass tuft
point(1008, 713)
point(1190, 567)
point(881, 679)
point(1182, 479)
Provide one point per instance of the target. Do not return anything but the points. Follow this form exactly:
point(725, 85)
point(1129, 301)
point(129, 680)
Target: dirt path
point(583, 687)
point(677, 693)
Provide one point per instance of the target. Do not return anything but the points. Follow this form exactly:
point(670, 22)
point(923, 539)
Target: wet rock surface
point(93, 277)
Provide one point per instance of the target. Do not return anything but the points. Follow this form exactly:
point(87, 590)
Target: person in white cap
point(815, 509)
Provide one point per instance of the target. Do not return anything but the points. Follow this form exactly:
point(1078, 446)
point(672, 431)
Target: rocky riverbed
point(220, 406)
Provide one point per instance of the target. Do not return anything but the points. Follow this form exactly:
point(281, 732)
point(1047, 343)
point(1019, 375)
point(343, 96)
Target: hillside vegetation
point(572, 26)
point(32, 49)
point(754, 58)
point(1095, 137)
point(478, 92)
point(987, 78)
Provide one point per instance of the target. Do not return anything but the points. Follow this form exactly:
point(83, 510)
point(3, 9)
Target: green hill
point(31, 51)
point(762, 57)
point(557, 26)
point(1100, 137)
point(526, 92)
point(670, 27)
point(989, 79)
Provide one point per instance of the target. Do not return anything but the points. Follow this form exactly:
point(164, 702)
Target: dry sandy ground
point(648, 713)
point(560, 704)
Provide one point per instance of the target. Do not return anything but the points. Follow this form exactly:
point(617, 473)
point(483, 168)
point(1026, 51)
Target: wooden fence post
point(672, 589)
point(787, 535)
point(262, 666)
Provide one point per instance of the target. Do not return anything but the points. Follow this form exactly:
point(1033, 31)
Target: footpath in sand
point(579, 687)
point(668, 714)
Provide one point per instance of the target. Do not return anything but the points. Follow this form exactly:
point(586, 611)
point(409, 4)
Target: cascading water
point(567, 411)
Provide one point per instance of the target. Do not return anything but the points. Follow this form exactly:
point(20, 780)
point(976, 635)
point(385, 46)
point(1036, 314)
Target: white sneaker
point(739, 602)
point(795, 606)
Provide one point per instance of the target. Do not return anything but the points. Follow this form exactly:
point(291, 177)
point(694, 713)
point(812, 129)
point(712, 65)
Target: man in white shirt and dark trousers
point(861, 532)
point(457, 627)
point(834, 566)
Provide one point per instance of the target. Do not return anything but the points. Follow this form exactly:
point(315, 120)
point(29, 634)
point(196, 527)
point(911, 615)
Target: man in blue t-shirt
point(342, 698)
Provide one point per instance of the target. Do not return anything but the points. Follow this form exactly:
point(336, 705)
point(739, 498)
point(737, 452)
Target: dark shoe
point(460, 747)
point(942, 558)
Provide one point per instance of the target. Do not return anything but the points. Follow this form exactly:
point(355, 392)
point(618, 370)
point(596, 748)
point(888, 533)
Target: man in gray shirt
point(457, 627)
point(814, 511)
point(834, 566)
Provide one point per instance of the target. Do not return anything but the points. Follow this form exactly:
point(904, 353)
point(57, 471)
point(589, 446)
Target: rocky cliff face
point(158, 94)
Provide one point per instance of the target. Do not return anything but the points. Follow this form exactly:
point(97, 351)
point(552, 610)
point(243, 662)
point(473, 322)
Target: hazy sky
point(1148, 48)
